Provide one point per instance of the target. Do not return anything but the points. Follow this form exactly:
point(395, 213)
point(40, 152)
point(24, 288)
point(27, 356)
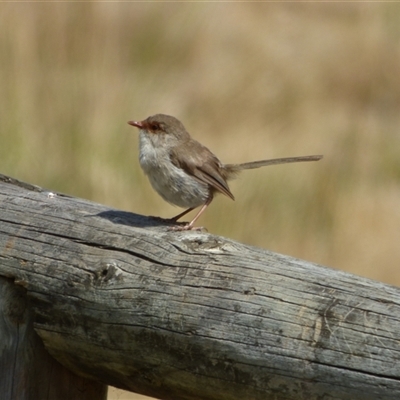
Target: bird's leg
point(179, 216)
point(173, 219)
point(189, 226)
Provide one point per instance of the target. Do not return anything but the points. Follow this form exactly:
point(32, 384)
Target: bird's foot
point(179, 226)
point(186, 227)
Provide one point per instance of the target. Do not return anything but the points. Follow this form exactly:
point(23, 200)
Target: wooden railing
point(92, 296)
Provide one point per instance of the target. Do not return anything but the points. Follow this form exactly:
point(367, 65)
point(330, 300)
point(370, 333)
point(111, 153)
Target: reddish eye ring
point(154, 126)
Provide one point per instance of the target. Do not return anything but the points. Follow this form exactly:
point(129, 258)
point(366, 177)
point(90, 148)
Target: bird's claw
point(186, 227)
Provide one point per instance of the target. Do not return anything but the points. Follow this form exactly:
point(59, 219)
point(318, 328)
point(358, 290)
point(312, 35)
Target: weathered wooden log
point(118, 298)
point(27, 371)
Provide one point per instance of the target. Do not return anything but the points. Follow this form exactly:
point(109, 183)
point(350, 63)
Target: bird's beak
point(138, 124)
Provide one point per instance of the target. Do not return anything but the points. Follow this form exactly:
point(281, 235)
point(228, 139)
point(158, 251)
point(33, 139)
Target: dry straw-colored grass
point(250, 81)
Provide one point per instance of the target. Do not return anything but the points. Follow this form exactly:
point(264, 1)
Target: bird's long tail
point(235, 168)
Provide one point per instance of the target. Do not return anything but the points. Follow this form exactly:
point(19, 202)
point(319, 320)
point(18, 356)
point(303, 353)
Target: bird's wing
point(196, 160)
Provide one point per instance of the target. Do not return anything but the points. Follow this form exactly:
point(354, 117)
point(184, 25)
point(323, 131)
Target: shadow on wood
point(118, 298)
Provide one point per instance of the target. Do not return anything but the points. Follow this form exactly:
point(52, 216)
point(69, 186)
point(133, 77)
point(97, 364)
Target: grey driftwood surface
point(118, 298)
point(27, 371)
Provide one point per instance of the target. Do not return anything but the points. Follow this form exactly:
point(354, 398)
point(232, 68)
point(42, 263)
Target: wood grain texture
point(28, 372)
point(188, 315)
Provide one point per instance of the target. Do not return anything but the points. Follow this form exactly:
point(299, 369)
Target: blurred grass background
point(250, 81)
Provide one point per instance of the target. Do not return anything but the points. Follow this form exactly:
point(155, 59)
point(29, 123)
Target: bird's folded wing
point(202, 165)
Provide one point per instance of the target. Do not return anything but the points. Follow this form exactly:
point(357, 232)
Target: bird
point(184, 172)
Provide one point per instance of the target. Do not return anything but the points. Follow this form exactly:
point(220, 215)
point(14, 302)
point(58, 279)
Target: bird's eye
point(154, 126)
